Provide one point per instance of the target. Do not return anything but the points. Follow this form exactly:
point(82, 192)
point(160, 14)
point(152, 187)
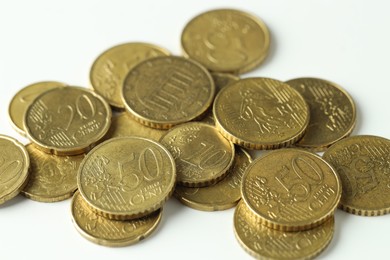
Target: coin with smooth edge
point(111, 67)
point(265, 243)
point(291, 189)
point(363, 164)
point(261, 113)
point(223, 195)
point(226, 40)
point(67, 120)
point(127, 177)
point(112, 233)
point(22, 99)
point(332, 112)
point(166, 91)
point(52, 178)
point(14, 164)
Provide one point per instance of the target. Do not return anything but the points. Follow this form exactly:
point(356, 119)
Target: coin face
point(291, 189)
point(166, 91)
point(111, 67)
point(226, 40)
point(127, 177)
point(261, 113)
point(67, 120)
point(332, 112)
point(363, 164)
point(14, 164)
point(107, 232)
point(202, 155)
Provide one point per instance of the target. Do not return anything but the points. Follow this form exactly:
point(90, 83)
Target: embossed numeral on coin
point(207, 157)
point(9, 170)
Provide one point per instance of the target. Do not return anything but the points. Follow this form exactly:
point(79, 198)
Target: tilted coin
point(363, 164)
point(261, 113)
point(291, 189)
point(67, 120)
point(332, 112)
point(226, 40)
point(127, 177)
point(111, 67)
point(113, 233)
point(166, 91)
point(202, 155)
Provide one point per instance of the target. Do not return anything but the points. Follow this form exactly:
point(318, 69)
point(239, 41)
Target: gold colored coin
point(14, 164)
point(291, 189)
point(113, 233)
point(265, 243)
point(52, 178)
point(166, 91)
point(363, 164)
point(111, 67)
point(202, 155)
point(261, 113)
point(127, 177)
point(222, 195)
point(332, 112)
point(24, 98)
point(67, 120)
point(226, 40)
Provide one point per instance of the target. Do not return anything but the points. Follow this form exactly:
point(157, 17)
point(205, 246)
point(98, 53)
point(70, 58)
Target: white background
point(347, 42)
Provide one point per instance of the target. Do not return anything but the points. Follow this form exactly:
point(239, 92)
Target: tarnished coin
point(166, 91)
point(113, 233)
point(67, 120)
point(363, 164)
point(291, 189)
point(261, 113)
point(111, 67)
point(222, 195)
point(226, 40)
point(202, 155)
point(14, 164)
point(52, 178)
point(265, 243)
point(332, 112)
point(24, 98)
point(127, 177)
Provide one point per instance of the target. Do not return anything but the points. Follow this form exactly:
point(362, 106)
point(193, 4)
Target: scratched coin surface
point(52, 178)
point(261, 113)
point(226, 40)
point(291, 189)
point(265, 243)
point(363, 164)
point(223, 195)
point(202, 155)
point(113, 233)
point(67, 120)
point(332, 112)
point(14, 164)
point(127, 177)
point(166, 91)
point(111, 67)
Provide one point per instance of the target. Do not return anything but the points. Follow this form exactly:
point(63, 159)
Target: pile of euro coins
point(154, 125)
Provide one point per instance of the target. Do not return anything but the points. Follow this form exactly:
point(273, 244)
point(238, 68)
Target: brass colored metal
point(67, 120)
point(261, 113)
point(222, 195)
point(332, 112)
point(363, 164)
point(127, 177)
point(202, 155)
point(226, 40)
point(112, 233)
point(14, 164)
point(166, 91)
point(291, 189)
point(111, 67)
